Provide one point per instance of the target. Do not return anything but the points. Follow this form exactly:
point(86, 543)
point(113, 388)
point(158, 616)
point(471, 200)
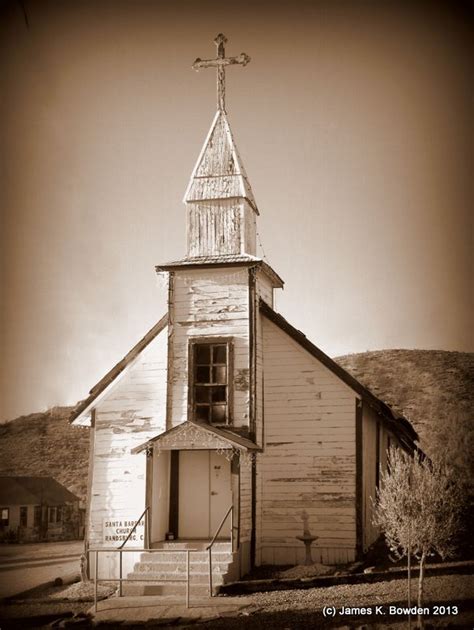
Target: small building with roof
point(38, 509)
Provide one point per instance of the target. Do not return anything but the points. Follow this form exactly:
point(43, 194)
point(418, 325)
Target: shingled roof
point(214, 262)
point(34, 491)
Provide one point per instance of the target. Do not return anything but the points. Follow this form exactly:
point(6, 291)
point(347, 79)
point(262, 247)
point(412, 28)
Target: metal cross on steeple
point(220, 64)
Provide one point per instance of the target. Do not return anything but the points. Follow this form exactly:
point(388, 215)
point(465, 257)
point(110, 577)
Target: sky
point(352, 120)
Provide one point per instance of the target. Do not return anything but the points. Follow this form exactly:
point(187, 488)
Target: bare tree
point(418, 509)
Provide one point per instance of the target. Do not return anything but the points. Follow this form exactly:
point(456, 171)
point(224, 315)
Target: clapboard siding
point(210, 303)
point(308, 463)
point(133, 411)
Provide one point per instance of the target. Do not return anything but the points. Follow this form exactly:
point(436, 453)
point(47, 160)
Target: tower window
point(210, 381)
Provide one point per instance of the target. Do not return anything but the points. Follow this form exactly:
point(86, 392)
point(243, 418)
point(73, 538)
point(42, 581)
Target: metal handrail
point(120, 580)
point(220, 527)
point(144, 513)
point(209, 547)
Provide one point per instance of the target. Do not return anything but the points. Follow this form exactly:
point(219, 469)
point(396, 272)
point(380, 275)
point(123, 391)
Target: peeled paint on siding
point(208, 303)
point(132, 412)
point(221, 228)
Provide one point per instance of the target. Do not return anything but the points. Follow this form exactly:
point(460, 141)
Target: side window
point(5, 516)
point(210, 381)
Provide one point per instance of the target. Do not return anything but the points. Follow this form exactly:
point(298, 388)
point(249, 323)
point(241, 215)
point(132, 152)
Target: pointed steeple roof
point(219, 172)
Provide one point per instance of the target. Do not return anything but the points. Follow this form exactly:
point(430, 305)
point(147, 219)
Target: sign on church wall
point(116, 530)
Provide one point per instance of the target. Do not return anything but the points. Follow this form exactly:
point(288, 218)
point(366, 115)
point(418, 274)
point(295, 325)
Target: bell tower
point(214, 292)
point(221, 209)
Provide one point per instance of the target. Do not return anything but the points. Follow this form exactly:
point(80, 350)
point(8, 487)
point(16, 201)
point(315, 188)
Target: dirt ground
point(295, 609)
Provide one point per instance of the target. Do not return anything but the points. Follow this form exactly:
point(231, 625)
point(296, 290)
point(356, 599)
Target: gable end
point(115, 372)
point(400, 425)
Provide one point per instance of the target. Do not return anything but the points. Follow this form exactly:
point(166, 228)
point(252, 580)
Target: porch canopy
point(191, 435)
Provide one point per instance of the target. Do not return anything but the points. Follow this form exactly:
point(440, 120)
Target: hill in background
point(45, 444)
point(428, 387)
point(431, 388)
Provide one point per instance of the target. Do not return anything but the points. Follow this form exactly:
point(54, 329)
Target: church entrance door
point(204, 494)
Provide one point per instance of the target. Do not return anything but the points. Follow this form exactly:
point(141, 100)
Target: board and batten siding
point(309, 459)
point(221, 227)
point(209, 303)
point(132, 412)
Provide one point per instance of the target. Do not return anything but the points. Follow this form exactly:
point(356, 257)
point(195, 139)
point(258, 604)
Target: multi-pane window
point(52, 515)
point(210, 384)
point(23, 516)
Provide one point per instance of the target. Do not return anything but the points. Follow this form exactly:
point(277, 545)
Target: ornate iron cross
point(220, 63)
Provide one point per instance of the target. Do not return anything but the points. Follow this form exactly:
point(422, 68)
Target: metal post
point(187, 578)
point(145, 530)
point(120, 564)
point(148, 533)
point(210, 571)
point(96, 573)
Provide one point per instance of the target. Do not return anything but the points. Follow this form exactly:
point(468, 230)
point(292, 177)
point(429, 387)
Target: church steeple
point(219, 172)
point(222, 211)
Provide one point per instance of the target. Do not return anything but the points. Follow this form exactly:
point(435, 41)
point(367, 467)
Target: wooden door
point(193, 510)
point(221, 493)
point(205, 494)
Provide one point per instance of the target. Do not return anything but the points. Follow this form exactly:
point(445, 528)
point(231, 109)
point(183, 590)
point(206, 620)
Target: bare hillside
point(46, 444)
point(429, 387)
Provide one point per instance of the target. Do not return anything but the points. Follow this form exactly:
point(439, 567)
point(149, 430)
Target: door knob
point(213, 493)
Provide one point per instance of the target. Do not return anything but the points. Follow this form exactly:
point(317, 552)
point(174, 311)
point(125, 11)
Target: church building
point(226, 416)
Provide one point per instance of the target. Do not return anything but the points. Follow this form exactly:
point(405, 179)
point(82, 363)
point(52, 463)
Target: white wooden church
point(225, 412)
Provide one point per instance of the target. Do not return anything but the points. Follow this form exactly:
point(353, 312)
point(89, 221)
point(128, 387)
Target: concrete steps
point(196, 557)
point(177, 591)
point(164, 569)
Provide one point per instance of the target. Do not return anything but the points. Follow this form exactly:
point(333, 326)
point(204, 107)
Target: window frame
point(4, 522)
point(229, 343)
